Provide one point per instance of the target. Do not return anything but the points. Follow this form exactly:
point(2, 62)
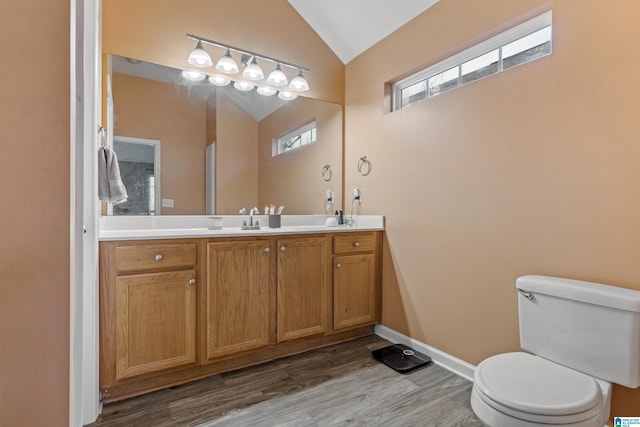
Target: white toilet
point(583, 336)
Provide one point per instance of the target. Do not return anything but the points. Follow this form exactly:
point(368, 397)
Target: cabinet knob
point(159, 257)
point(338, 265)
point(267, 250)
point(282, 248)
point(191, 282)
point(356, 244)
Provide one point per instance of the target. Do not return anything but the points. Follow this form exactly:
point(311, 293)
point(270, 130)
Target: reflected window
point(296, 138)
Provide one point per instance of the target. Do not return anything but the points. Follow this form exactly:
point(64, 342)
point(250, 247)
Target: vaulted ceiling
point(349, 27)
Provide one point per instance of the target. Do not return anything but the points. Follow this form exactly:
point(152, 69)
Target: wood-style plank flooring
point(334, 386)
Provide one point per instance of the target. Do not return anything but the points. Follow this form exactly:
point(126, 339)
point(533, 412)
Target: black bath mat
point(400, 358)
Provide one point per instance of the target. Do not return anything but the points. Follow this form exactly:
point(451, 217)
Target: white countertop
point(195, 226)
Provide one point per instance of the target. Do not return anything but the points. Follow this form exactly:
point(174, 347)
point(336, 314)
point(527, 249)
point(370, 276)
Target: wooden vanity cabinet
point(304, 283)
point(148, 312)
point(356, 295)
point(259, 298)
point(245, 311)
point(240, 297)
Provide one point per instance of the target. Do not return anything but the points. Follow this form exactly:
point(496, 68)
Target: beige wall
point(294, 178)
point(155, 31)
point(150, 109)
point(34, 214)
point(237, 139)
point(532, 171)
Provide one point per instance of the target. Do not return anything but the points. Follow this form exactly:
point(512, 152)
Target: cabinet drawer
point(155, 257)
point(354, 242)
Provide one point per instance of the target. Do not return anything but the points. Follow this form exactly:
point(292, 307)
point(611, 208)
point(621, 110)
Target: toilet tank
point(590, 327)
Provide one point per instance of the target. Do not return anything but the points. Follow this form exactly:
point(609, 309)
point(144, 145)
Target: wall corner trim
point(447, 361)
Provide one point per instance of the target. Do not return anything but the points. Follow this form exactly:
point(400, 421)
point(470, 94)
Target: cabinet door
point(155, 322)
point(354, 296)
point(240, 306)
point(303, 287)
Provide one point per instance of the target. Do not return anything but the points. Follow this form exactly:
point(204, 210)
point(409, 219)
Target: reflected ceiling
point(257, 106)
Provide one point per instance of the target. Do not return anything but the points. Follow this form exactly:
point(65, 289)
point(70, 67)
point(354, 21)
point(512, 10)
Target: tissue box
point(214, 223)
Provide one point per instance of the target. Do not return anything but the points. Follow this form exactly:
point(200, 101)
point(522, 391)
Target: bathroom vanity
point(179, 303)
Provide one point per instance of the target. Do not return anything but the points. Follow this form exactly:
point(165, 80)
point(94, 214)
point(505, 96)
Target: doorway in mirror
point(139, 161)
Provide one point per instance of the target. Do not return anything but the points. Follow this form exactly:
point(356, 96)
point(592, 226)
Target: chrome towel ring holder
point(327, 173)
point(364, 166)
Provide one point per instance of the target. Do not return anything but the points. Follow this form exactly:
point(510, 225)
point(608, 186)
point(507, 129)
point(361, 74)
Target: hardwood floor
point(333, 386)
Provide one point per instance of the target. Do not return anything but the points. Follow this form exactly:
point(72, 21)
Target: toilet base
point(494, 418)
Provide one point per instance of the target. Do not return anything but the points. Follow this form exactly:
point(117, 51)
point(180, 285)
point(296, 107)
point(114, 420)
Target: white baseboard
point(447, 361)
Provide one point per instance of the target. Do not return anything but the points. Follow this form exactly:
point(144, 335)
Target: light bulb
point(219, 80)
point(243, 86)
point(194, 76)
point(299, 83)
point(199, 57)
point(287, 96)
point(277, 77)
point(253, 71)
point(266, 90)
point(227, 64)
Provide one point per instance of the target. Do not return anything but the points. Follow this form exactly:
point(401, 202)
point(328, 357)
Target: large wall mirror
point(221, 148)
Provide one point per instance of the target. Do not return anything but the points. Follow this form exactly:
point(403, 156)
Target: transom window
point(295, 139)
point(518, 45)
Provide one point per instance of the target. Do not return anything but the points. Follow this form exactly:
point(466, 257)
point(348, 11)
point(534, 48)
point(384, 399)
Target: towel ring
point(326, 173)
point(364, 166)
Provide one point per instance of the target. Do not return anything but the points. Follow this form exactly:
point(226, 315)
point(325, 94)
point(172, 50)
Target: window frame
point(299, 131)
point(456, 61)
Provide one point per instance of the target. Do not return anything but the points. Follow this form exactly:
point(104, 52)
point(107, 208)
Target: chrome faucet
point(251, 225)
point(252, 212)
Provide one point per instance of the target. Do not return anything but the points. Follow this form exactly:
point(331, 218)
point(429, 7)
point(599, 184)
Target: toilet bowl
point(523, 390)
point(578, 338)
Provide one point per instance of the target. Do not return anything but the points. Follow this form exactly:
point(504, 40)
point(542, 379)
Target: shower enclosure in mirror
point(139, 161)
point(154, 102)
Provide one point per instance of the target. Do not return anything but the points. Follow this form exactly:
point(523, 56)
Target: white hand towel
point(110, 186)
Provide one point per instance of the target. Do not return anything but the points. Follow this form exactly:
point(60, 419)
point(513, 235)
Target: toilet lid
point(533, 385)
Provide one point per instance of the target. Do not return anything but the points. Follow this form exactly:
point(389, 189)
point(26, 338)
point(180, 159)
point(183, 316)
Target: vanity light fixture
point(266, 90)
point(219, 80)
point(227, 64)
point(277, 77)
point(252, 71)
point(199, 57)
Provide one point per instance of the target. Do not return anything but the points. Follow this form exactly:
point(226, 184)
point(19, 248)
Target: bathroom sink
point(261, 229)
